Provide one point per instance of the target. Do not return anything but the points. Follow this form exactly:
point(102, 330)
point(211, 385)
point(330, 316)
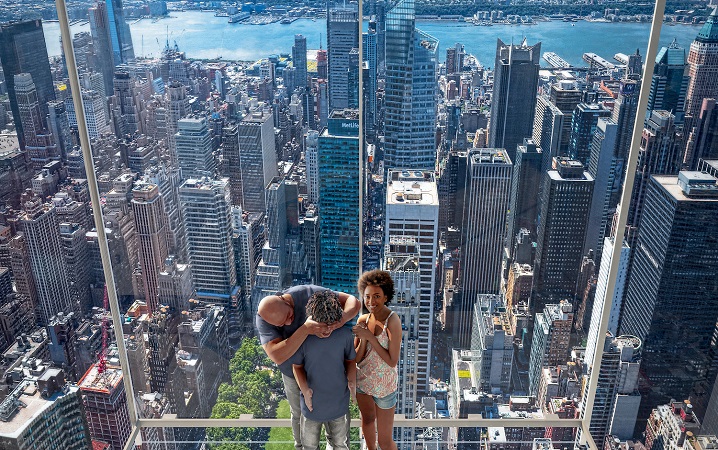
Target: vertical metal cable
point(361, 136)
point(96, 205)
point(625, 204)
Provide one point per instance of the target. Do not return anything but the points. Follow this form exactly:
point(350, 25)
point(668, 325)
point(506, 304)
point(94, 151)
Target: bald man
point(283, 325)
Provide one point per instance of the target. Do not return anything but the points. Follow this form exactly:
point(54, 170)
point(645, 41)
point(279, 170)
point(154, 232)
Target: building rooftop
point(411, 187)
point(690, 186)
point(104, 383)
point(489, 156)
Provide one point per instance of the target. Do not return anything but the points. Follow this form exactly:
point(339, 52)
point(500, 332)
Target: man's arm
point(301, 376)
point(280, 350)
point(350, 306)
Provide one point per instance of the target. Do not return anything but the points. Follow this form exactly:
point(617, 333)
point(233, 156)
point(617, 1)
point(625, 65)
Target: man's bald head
point(276, 310)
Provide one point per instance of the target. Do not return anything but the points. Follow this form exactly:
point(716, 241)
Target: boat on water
point(288, 20)
point(239, 17)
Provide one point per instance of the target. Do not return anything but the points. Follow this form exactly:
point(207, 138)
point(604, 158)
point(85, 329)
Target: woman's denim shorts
point(387, 402)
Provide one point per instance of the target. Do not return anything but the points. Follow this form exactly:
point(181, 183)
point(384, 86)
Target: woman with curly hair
point(378, 344)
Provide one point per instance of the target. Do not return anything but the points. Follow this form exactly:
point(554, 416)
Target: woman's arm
point(360, 344)
point(390, 355)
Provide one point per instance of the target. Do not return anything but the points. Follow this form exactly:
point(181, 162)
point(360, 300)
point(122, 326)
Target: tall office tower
point(174, 284)
point(550, 345)
point(120, 38)
point(322, 64)
point(513, 104)
point(524, 206)
point(661, 153)
point(616, 401)
point(258, 158)
point(454, 59)
point(483, 232)
point(493, 339)
point(606, 167)
point(177, 108)
point(338, 162)
point(624, 115)
point(401, 260)
point(410, 92)
point(311, 148)
point(32, 120)
point(23, 50)
point(703, 69)
point(194, 148)
point(704, 139)
point(702, 66)
point(203, 337)
point(670, 82)
point(486, 202)
point(248, 240)
point(342, 37)
point(322, 101)
point(105, 404)
point(76, 253)
point(59, 127)
point(151, 227)
point(100, 32)
point(206, 209)
point(673, 271)
point(616, 299)
point(412, 212)
point(547, 127)
point(272, 271)
point(299, 60)
point(370, 64)
point(584, 121)
point(161, 341)
point(231, 161)
point(39, 225)
point(565, 95)
point(39, 142)
point(168, 180)
point(565, 202)
point(21, 265)
point(95, 113)
point(126, 112)
point(51, 416)
point(355, 65)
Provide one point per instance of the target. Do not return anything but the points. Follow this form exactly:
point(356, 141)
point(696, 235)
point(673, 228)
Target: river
point(202, 35)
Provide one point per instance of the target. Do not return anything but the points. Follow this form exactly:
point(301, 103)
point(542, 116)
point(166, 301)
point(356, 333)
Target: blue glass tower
point(339, 212)
point(410, 94)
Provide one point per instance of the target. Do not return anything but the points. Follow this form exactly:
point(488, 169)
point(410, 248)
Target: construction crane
point(102, 355)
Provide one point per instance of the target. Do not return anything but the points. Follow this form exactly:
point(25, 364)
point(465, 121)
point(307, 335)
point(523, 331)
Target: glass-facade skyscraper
point(410, 93)
point(338, 164)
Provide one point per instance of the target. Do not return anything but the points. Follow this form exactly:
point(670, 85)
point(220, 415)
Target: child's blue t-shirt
point(323, 360)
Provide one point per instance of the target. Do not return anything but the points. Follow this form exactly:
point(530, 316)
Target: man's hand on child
point(318, 329)
point(308, 398)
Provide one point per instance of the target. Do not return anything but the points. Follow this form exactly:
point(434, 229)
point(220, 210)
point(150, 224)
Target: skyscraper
point(524, 206)
point(513, 103)
point(105, 404)
point(120, 38)
point(624, 115)
point(566, 197)
point(670, 82)
point(299, 60)
point(674, 277)
point(42, 234)
point(151, 227)
point(258, 158)
point(702, 69)
point(583, 126)
point(100, 32)
point(483, 232)
point(194, 148)
point(23, 50)
point(704, 140)
point(39, 142)
point(547, 128)
point(177, 108)
point(338, 164)
point(565, 95)
point(552, 331)
point(206, 209)
point(342, 37)
point(371, 69)
point(410, 92)
point(606, 167)
point(231, 166)
point(412, 214)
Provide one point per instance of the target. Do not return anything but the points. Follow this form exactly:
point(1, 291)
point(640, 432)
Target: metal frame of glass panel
point(400, 420)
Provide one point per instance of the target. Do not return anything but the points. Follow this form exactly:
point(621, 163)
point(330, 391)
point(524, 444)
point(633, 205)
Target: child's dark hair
point(324, 307)
point(379, 278)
